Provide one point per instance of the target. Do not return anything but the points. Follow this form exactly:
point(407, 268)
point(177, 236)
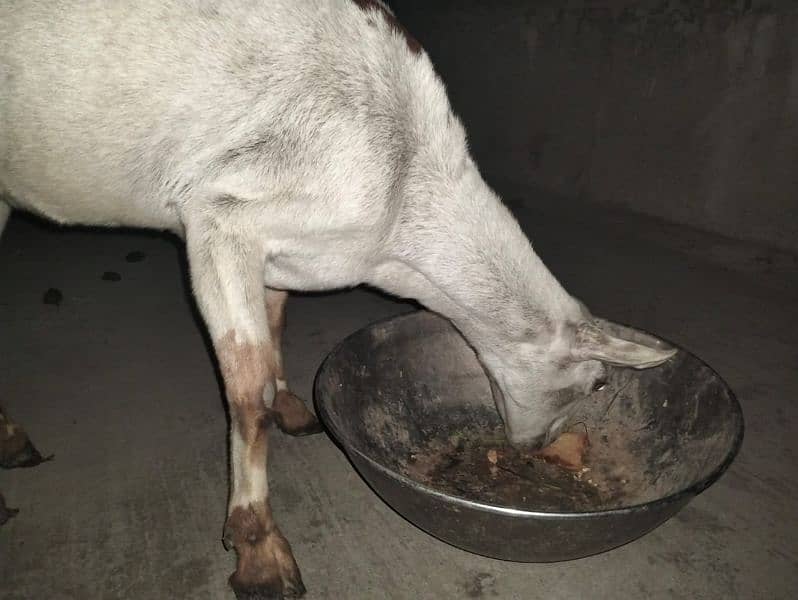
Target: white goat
point(294, 145)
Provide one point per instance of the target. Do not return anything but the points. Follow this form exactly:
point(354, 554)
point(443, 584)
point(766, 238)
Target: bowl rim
point(349, 449)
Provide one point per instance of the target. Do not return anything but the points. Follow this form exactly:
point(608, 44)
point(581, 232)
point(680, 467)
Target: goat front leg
point(290, 412)
point(227, 277)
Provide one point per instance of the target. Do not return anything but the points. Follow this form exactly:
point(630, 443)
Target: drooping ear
point(592, 343)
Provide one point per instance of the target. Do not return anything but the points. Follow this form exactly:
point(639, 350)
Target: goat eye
point(599, 385)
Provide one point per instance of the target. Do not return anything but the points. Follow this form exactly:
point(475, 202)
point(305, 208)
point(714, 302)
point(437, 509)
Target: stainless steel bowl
point(402, 384)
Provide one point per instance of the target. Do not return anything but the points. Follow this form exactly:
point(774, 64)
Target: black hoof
point(293, 417)
point(311, 428)
point(265, 591)
point(5, 512)
point(27, 456)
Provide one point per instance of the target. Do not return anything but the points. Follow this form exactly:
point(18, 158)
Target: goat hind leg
point(290, 412)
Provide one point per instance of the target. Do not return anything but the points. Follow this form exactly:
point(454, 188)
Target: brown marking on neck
point(390, 18)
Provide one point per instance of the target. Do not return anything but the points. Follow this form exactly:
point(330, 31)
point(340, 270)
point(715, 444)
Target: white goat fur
point(298, 143)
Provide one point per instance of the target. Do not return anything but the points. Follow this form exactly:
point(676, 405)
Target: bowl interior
point(410, 394)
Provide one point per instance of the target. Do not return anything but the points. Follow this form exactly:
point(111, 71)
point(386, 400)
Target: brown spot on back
point(390, 18)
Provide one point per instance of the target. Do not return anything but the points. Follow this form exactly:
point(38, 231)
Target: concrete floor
point(118, 382)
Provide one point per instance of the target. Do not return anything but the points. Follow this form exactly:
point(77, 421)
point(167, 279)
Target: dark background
point(680, 111)
point(685, 110)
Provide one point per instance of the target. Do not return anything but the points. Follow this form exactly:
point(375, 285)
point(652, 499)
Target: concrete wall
point(686, 110)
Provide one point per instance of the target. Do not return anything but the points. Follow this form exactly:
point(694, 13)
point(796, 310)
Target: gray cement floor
point(119, 384)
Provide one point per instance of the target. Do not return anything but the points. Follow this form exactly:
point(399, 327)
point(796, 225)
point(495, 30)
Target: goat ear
point(592, 343)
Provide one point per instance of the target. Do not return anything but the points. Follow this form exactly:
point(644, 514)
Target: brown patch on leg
point(16, 449)
point(252, 422)
point(246, 367)
point(293, 417)
point(5, 512)
point(266, 565)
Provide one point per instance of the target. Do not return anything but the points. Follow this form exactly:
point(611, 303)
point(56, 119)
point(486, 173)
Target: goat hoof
point(293, 417)
point(267, 592)
point(310, 429)
point(276, 587)
point(266, 568)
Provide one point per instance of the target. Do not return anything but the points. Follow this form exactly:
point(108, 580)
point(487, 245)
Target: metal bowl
point(398, 388)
